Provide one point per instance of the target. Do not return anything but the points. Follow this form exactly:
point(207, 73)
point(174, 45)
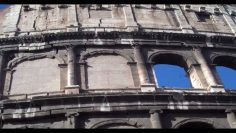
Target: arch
point(186, 61)
point(17, 60)
point(204, 122)
point(114, 52)
point(224, 60)
point(123, 122)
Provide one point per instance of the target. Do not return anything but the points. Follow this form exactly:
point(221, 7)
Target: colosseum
point(92, 65)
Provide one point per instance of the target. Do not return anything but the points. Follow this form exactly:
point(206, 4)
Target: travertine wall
point(42, 75)
point(124, 17)
point(108, 71)
point(155, 18)
point(106, 79)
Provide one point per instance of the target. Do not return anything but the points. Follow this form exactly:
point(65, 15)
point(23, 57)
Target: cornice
point(45, 106)
point(160, 36)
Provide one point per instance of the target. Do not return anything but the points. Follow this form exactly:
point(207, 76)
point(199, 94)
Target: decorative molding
point(188, 59)
point(102, 52)
point(17, 60)
point(215, 55)
point(186, 39)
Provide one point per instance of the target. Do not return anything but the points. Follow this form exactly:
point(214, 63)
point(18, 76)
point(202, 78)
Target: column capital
point(135, 45)
point(70, 46)
point(229, 111)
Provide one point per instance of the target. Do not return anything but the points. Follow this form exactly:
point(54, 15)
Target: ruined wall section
point(203, 19)
point(106, 16)
point(207, 21)
point(53, 18)
point(159, 18)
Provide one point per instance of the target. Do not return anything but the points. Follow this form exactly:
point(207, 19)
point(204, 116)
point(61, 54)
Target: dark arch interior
point(172, 59)
point(226, 61)
point(196, 125)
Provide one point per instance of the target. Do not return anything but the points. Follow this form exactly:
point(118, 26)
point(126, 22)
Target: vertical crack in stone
point(46, 24)
point(34, 25)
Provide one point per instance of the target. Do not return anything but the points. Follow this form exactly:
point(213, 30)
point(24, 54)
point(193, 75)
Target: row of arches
point(183, 71)
point(186, 123)
point(175, 71)
point(107, 69)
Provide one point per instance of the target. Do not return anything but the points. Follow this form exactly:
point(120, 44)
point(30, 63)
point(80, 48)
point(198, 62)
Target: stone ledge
point(216, 88)
point(148, 88)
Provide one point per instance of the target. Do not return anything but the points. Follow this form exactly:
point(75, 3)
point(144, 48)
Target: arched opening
point(171, 71)
point(226, 71)
point(196, 125)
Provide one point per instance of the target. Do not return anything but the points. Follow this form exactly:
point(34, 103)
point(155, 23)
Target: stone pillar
point(71, 118)
point(8, 81)
point(155, 118)
point(196, 76)
point(145, 84)
point(71, 67)
point(1, 71)
point(71, 87)
point(231, 118)
point(83, 75)
point(213, 86)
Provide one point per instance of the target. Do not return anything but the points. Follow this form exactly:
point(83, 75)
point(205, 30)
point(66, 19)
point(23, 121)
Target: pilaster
point(72, 87)
point(155, 118)
point(183, 23)
point(231, 118)
point(145, 84)
point(213, 86)
point(1, 70)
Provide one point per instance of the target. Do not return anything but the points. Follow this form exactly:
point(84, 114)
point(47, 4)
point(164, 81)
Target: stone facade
point(91, 66)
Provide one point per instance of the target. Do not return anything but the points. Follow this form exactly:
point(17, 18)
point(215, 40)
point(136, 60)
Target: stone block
point(72, 89)
point(148, 88)
point(216, 88)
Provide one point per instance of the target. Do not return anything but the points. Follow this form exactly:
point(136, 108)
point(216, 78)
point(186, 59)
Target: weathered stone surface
point(102, 68)
point(41, 75)
point(91, 65)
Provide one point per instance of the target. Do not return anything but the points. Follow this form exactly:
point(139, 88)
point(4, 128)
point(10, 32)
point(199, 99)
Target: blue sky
point(174, 76)
point(171, 76)
point(3, 5)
